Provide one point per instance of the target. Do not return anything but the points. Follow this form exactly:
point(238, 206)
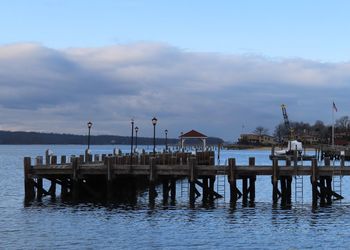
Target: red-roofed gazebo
point(193, 134)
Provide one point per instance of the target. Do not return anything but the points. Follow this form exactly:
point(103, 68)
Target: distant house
point(256, 139)
point(309, 139)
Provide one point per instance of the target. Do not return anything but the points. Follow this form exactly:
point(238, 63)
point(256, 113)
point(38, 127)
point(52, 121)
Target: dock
point(118, 177)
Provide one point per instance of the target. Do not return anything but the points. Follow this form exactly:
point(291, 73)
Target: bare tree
point(280, 132)
point(260, 130)
point(342, 123)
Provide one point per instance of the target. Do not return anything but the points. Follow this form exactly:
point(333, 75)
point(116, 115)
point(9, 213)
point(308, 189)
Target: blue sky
point(211, 66)
point(308, 29)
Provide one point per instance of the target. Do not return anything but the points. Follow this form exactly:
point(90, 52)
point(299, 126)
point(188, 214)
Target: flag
point(335, 107)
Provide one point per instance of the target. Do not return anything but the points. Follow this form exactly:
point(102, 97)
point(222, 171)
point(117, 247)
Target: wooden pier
point(122, 177)
point(333, 152)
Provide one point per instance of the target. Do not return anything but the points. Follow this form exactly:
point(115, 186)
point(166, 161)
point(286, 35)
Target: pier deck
point(182, 170)
point(122, 175)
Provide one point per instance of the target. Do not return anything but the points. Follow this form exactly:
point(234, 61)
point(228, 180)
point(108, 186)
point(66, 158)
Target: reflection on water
point(62, 225)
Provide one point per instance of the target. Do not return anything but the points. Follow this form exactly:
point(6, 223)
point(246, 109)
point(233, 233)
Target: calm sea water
point(55, 225)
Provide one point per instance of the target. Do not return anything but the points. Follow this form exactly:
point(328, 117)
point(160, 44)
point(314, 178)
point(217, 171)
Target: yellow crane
point(286, 122)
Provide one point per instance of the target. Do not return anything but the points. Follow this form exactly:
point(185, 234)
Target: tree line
point(320, 130)
point(8, 137)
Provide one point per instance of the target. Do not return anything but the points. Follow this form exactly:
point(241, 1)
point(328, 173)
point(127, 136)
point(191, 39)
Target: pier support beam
point(173, 191)
point(283, 190)
point(64, 185)
point(329, 189)
point(29, 192)
point(211, 188)
point(75, 180)
point(314, 178)
point(245, 190)
point(39, 186)
point(323, 190)
point(110, 190)
point(192, 177)
point(205, 189)
point(275, 173)
point(252, 180)
point(39, 189)
point(152, 193)
point(232, 181)
point(289, 180)
point(166, 189)
point(52, 189)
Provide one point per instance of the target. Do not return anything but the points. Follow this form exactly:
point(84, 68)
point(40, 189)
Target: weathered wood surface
point(181, 170)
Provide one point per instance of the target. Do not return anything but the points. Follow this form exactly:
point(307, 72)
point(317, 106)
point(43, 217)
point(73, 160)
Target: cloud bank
point(43, 89)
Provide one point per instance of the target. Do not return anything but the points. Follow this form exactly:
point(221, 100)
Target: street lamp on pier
point(166, 140)
point(136, 130)
point(132, 138)
point(154, 122)
point(89, 124)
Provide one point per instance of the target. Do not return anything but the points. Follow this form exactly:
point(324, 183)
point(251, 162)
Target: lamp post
point(154, 122)
point(89, 124)
point(166, 140)
point(136, 130)
point(132, 138)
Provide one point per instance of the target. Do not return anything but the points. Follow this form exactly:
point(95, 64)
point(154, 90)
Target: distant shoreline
point(36, 138)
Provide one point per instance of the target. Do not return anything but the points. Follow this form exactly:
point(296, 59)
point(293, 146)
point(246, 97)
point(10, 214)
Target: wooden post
point(64, 189)
point(192, 177)
point(47, 156)
point(205, 189)
point(283, 190)
point(165, 190)
point(88, 156)
point(96, 158)
point(29, 192)
point(211, 188)
point(39, 188)
point(232, 180)
point(322, 182)
point(314, 182)
point(152, 178)
point(245, 191)
point(329, 190)
point(275, 181)
point(75, 179)
point(252, 180)
point(288, 180)
point(110, 194)
point(173, 190)
point(172, 182)
point(52, 189)
point(289, 190)
point(327, 161)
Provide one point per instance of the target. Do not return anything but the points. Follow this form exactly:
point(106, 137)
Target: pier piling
point(29, 192)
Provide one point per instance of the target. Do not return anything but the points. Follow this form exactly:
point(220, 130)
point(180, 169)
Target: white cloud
point(44, 89)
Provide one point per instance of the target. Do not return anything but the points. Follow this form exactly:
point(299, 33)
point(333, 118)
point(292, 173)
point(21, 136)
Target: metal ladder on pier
point(221, 185)
point(337, 179)
point(299, 186)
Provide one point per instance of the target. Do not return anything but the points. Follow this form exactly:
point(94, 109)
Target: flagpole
point(333, 125)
